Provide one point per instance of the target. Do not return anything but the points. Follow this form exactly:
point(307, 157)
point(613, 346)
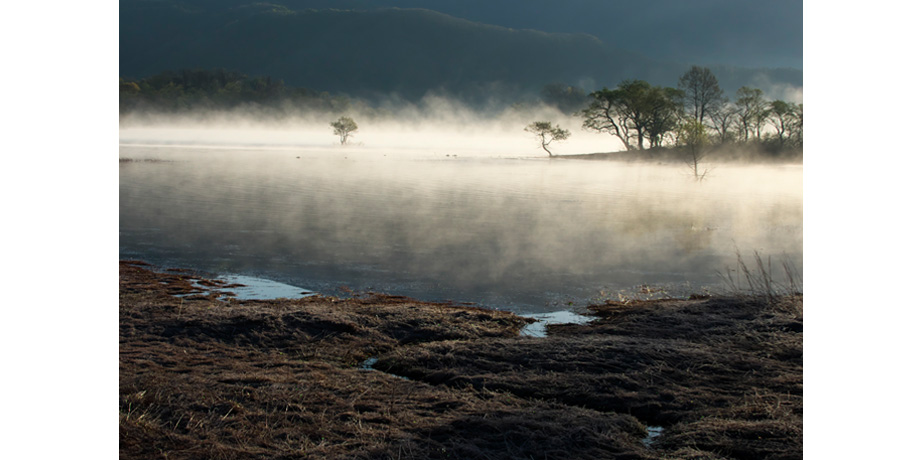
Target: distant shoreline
point(728, 154)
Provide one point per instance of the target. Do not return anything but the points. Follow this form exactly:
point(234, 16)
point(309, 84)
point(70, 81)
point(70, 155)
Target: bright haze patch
point(438, 125)
point(453, 208)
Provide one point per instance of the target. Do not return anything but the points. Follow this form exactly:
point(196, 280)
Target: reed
point(759, 280)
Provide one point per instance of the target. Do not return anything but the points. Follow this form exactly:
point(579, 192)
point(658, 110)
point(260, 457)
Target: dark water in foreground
point(526, 234)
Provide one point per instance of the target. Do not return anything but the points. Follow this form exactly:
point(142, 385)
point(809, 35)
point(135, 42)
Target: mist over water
point(478, 214)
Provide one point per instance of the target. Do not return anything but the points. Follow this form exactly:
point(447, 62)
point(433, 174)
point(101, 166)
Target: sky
point(60, 192)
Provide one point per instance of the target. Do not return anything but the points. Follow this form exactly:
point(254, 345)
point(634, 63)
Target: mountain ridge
point(702, 32)
point(404, 51)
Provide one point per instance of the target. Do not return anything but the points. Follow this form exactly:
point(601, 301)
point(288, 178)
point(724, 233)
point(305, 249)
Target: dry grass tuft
point(760, 281)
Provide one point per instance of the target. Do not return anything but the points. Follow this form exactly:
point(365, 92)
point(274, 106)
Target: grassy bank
point(204, 376)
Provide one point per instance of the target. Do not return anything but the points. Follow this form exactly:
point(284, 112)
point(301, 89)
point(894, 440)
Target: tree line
point(642, 115)
point(218, 89)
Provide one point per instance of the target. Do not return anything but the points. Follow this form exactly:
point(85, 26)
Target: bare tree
point(752, 109)
point(723, 119)
point(343, 127)
point(702, 94)
point(547, 133)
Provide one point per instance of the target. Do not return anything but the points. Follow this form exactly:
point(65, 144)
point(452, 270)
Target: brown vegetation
point(203, 375)
point(207, 378)
point(723, 376)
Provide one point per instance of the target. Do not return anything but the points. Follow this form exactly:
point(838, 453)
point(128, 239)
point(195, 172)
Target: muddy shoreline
point(374, 376)
point(738, 153)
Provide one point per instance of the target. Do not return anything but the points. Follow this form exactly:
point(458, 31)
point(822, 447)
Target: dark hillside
point(704, 32)
point(407, 52)
point(404, 51)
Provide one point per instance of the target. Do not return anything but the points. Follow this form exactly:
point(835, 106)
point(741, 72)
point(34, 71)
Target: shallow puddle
point(252, 288)
point(247, 288)
point(653, 432)
point(368, 365)
point(538, 329)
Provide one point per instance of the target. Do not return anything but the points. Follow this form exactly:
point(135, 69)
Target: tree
point(635, 105)
point(723, 119)
point(795, 131)
point(779, 117)
point(702, 92)
point(692, 136)
point(751, 110)
point(786, 117)
point(546, 133)
point(634, 110)
point(343, 127)
point(663, 113)
point(605, 115)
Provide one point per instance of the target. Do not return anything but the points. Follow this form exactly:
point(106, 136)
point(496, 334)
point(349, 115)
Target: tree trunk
point(544, 143)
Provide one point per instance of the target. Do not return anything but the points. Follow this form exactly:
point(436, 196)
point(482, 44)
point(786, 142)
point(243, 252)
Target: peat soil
point(207, 376)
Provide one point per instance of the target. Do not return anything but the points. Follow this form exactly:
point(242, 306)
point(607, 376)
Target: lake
point(502, 227)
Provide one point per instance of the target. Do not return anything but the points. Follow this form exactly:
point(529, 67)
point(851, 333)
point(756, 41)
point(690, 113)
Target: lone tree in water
point(546, 133)
point(343, 127)
point(691, 135)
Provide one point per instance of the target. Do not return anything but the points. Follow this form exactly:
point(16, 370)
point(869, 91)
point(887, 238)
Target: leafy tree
point(786, 118)
point(547, 133)
point(634, 102)
point(795, 130)
point(343, 127)
point(702, 92)
point(605, 115)
point(663, 113)
point(634, 110)
point(752, 109)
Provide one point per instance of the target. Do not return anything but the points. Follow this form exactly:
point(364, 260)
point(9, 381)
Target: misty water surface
point(504, 229)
